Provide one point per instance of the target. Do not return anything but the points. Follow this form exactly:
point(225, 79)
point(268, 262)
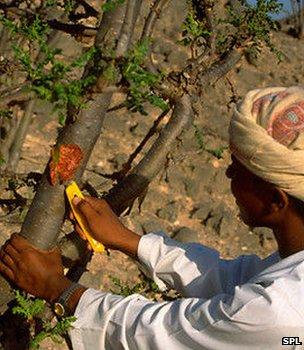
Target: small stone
point(202, 212)
point(186, 235)
point(139, 129)
point(90, 280)
point(177, 58)
point(151, 226)
point(202, 179)
point(169, 213)
point(119, 160)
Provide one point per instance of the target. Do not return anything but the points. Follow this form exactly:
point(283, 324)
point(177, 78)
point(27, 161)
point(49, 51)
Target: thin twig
point(219, 68)
point(147, 32)
point(152, 17)
point(125, 37)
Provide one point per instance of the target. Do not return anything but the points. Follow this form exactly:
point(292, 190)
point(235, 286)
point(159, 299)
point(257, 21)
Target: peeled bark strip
point(134, 184)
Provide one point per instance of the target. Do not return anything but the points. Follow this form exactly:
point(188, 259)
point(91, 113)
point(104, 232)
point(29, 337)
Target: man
point(246, 303)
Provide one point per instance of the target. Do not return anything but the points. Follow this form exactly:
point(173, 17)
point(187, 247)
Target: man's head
point(261, 203)
point(267, 144)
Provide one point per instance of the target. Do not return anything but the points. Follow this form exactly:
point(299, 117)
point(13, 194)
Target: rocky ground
point(191, 199)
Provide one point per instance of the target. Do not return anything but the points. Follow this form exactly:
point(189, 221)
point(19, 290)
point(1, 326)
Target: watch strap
point(66, 295)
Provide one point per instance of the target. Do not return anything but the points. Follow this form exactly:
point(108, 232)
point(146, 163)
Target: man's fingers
point(71, 216)
point(80, 232)
point(82, 235)
point(85, 208)
point(19, 243)
point(12, 252)
point(98, 204)
point(6, 271)
point(9, 262)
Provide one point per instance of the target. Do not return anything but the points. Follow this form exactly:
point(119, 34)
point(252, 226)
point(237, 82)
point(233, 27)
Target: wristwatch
point(60, 307)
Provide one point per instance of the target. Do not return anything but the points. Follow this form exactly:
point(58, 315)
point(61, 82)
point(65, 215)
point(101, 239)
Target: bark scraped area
point(64, 163)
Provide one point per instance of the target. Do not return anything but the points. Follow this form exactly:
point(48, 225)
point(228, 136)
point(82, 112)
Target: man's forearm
point(128, 243)
point(58, 288)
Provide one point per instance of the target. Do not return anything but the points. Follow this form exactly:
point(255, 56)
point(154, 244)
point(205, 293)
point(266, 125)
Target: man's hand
point(105, 226)
point(38, 272)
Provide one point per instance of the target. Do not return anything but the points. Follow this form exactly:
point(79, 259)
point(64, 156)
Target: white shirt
point(246, 303)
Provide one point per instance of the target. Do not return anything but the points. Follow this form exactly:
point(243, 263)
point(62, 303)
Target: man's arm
point(191, 269)
point(253, 318)
point(36, 271)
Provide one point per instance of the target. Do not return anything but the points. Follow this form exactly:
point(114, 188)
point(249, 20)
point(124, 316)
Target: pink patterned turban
point(267, 136)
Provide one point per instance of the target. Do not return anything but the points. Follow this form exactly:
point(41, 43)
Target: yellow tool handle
point(73, 190)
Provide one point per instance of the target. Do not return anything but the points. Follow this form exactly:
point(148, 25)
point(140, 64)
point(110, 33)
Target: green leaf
point(27, 307)
point(217, 152)
point(111, 5)
point(199, 137)
point(6, 113)
point(2, 160)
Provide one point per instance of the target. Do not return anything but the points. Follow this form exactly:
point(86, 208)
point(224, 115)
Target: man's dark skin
point(40, 273)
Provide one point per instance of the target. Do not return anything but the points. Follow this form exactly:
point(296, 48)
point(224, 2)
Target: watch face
point(59, 309)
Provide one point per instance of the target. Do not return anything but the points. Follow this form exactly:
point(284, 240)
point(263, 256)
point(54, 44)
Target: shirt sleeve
point(195, 270)
point(252, 318)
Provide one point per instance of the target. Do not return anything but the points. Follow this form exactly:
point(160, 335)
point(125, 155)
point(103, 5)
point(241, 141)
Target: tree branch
point(219, 68)
point(122, 195)
point(152, 17)
point(133, 9)
point(73, 29)
point(15, 150)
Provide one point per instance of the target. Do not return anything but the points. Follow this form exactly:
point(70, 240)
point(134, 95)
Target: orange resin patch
point(64, 163)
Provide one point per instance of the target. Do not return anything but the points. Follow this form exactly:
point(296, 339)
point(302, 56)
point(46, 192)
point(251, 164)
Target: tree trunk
point(46, 214)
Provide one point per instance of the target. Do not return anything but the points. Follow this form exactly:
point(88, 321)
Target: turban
point(267, 136)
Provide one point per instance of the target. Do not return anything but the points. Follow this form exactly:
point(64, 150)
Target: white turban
point(267, 136)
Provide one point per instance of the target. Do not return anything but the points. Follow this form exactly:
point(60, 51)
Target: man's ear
point(279, 200)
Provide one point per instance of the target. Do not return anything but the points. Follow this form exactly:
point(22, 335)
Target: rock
point(169, 212)
point(196, 186)
point(153, 201)
point(264, 234)
point(151, 226)
point(220, 220)
point(90, 280)
point(225, 226)
point(220, 182)
point(177, 58)
point(163, 47)
point(186, 235)
point(69, 46)
point(118, 160)
point(115, 122)
point(189, 142)
point(176, 178)
point(202, 212)
point(132, 223)
point(140, 129)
